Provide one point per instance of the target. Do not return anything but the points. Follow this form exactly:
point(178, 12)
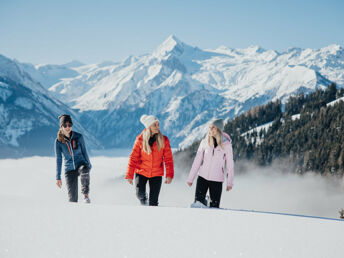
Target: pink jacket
point(210, 162)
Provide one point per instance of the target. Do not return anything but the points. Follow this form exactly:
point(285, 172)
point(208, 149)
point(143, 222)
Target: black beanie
point(65, 119)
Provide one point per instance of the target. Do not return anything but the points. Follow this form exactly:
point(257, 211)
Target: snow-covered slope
point(14, 71)
point(48, 75)
point(335, 101)
point(70, 89)
point(186, 86)
point(28, 114)
point(36, 220)
point(56, 230)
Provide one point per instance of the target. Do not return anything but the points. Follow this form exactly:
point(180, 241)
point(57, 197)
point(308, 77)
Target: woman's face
point(213, 130)
point(154, 128)
point(66, 128)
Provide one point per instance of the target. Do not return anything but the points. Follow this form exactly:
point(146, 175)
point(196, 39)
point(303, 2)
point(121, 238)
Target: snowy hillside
point(48, 75)
point(335, 101)
point(28, 114)
point(36, 220)
point(186, 86)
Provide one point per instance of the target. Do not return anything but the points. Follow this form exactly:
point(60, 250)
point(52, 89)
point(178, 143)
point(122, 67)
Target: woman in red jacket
point(151, 150)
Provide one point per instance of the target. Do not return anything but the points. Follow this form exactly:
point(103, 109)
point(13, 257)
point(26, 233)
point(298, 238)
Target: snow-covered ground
point(37, 221)
point(335, 101)
point(257, 129)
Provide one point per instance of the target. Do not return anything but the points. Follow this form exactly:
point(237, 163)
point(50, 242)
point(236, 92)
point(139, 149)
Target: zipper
point(211, 163)
point(71, 148)
point(152, 148)
point(73, 158)
point(71, 139)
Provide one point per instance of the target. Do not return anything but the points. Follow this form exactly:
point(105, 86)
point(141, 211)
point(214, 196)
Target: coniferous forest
point(305, 133)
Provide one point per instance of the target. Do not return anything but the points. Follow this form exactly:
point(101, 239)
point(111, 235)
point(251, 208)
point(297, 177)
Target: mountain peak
point(255, 49)
point(251, 50)
point(172, 39)
point(171, 44)
point(333, 48)
point(73, 64)
point(293, 49)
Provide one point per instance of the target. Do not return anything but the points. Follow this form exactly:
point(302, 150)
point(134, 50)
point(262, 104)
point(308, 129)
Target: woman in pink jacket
point(213, 158)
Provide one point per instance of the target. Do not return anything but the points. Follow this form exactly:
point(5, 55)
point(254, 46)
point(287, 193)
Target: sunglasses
point(67, 125)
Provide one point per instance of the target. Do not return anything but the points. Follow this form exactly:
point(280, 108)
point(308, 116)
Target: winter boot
point(87, 199)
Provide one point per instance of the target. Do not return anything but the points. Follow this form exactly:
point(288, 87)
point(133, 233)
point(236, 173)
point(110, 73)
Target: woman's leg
point(72, 185)
point(154, 190)
point(140, 183)
point(201, 190)
point(84, 172)
point(215, 191)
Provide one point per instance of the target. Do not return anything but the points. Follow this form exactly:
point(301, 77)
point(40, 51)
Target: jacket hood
point(226, 137)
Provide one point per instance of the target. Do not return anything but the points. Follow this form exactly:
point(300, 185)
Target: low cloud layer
point(264, 189)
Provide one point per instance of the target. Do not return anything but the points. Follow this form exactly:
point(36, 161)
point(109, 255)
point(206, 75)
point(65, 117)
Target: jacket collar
point(71, 136)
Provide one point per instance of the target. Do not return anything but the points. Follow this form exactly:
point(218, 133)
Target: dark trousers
point(215, 191)
point(154, 189)
point(72, 182)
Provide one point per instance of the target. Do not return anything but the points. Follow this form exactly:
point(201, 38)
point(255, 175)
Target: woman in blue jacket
point(71, 146)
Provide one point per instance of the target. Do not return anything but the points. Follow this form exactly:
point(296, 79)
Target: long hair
point(159, 141)
point(60, 136)
point(218, 138)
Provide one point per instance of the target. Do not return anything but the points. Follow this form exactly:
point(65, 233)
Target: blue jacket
point(73, 152)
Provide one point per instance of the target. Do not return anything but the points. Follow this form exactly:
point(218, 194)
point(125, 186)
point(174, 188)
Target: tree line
point(305, 132)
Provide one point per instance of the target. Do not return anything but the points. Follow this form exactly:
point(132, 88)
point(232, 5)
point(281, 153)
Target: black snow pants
point(215, 191)
point(154, 189)
point(72, 182)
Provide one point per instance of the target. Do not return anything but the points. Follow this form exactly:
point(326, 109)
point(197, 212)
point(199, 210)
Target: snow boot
point(87, 199)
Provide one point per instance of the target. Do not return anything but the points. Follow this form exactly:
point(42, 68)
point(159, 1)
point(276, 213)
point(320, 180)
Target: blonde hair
point(146, 136)
point(218, 138)
point(60, 136)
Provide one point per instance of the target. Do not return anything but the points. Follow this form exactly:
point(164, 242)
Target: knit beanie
point(148, 120)
point(65, 119)
point(219, 124)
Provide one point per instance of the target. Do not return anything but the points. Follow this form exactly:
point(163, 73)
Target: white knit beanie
point(147, 120)
point(219, 124)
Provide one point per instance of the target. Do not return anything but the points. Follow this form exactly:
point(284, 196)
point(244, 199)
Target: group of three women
point(151, 153)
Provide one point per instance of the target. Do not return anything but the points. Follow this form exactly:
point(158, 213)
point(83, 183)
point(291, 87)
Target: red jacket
point(150, 165)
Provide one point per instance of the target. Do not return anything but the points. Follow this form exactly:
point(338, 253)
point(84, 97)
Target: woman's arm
point(84, 151)
point(196, 164)
point(134, 159)
point(58, 156)
point(229, 165)
point(168, 159)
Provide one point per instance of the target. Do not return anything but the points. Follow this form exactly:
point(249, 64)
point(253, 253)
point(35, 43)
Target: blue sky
point(95, 31)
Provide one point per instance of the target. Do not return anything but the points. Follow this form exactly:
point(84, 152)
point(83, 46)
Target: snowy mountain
point(186, 87)
point(48, 75)
point(29, 114)
point(73, 64)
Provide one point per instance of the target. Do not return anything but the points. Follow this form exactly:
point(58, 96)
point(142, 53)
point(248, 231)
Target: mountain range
point(184, 86)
